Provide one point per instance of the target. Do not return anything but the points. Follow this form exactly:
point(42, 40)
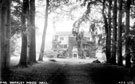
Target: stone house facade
point(66, 42)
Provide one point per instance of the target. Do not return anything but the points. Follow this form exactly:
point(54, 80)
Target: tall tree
point(106, 29)
point(109, 31)
point(4, 37)
point(32, 46)
point(127, 49)
point(0, 40)
point(114, 41)
point(120, 33)
point(23, 58)
point(44, 32)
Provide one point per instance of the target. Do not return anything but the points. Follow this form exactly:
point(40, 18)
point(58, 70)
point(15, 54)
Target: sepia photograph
point(67, 41)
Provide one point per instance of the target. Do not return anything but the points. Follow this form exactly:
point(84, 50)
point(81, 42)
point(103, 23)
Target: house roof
point(86, 34)
point(64, 33)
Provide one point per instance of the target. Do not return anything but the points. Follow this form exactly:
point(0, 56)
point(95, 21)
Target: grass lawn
point(78, 73)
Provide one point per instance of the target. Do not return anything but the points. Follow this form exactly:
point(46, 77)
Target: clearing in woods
point(71, 72)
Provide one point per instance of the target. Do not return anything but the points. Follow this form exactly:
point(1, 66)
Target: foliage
point(105, 9)
point(15, 26)
point(56, 44)
point(15, 45)
point(53, 4)
point(15, 17)
point(95, 23)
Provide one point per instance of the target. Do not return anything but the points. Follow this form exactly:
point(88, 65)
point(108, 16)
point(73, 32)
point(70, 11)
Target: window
point(65, 46)
point(85, 46)
point(61, 38)
point(88, 38)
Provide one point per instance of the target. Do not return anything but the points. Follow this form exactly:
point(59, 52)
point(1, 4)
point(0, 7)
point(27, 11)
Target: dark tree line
point(25, 24)
point(27, 31)
point(117, 26)
point(117, 29)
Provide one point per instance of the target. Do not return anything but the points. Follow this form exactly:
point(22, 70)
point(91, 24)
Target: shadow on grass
point(108, 74)
point(57, 77)
point(50, 73)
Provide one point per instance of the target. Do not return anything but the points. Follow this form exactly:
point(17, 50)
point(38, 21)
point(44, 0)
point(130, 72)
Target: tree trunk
point(5, 38)
point(0, 41)
point(133, 52)
point(127, 50)
point(106, 31)
point(109, 32)
point(120, 34)
point(114, 43)
point(32, 47)
point(23, 58)
point(44, 32)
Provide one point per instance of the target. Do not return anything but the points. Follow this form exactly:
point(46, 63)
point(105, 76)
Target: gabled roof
point(86, 34)
point(63, 33)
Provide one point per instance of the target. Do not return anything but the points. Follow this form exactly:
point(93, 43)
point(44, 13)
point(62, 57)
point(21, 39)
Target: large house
point(65, 42)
